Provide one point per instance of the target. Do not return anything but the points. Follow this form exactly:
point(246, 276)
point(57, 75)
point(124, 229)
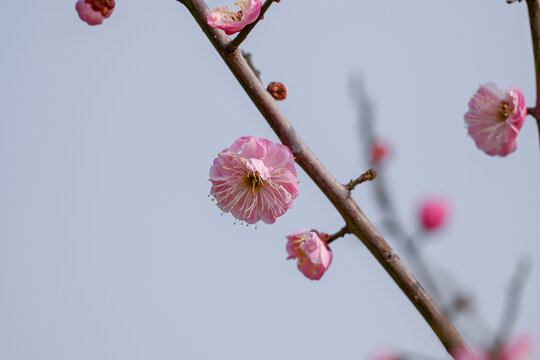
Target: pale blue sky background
point(109, 245)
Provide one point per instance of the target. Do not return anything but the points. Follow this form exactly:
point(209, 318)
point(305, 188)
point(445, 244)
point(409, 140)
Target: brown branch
point(534, 19)
point(338, 195)
point(242, 35)
point(369, 175)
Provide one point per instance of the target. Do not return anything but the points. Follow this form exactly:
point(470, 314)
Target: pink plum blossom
point(378, 151)
point(94, 12)
point(232, 22)
point(313, 254)
point(254, 179)
point(495, 118)
point(433, 213)
point(519, 349)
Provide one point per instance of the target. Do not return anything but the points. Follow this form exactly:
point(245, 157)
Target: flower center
point(229, 15)
point(102, 6)
point(504, 111)
point(254, 181)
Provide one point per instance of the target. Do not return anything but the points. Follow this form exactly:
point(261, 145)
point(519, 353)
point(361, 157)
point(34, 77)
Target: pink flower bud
point(433, 213)
point(254, 179)
point(313, 254)
point(94, 12)
point(495, 118)
point(233, 21)
point(378, 151)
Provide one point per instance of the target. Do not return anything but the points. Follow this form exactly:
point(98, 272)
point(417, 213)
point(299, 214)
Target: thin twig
point(242, 35)
point(534, 19)
point(338, 195)
point(329, 238)
point(513, 298)
point(369, 175)
point(249, 60)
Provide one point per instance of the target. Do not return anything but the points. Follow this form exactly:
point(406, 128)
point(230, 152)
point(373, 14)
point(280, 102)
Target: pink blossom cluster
point(313, 253)
point(495, 118)
point(254, 179)
point(233, 21)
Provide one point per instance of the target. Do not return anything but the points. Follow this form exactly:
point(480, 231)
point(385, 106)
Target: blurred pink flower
point(232, 22)
point(519, 349)
point(386, 355)
point(314, 255)
point(94, 12)
point(254, 179)
point(378, 151)
point(495, 118)
point(433, 212)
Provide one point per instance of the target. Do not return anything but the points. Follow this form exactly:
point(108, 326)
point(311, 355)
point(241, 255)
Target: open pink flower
point(232, 22)
point(254, 179)
point(519, 349)
point(433, 213)
point(94, 12)
point(313, 254)
point(495, 118)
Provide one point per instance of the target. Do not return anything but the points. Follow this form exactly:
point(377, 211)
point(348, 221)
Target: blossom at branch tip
point(433, 213)
point(495, 118)
point(94, 12)
point(519, 349)
point(313, 253)
point(254, 179)
point(233, 21)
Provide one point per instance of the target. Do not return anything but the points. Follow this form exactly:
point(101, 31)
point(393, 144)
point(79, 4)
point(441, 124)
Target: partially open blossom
point(495, 118)
point(519, 349)
point(233, 21)
point(94, 12)
point(254, 179)
point(313, 254)
point(433, 213)
point(378, 151)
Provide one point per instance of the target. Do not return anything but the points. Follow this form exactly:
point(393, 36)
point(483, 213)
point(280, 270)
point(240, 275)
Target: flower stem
point(329, 238)
point(336, 193)
point(242, 35)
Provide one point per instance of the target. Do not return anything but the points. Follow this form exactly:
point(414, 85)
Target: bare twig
point(242, 35)
point(513, 297)
point(534, 19)
point(338, 195)
point(249, 61)
point(367, 176)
